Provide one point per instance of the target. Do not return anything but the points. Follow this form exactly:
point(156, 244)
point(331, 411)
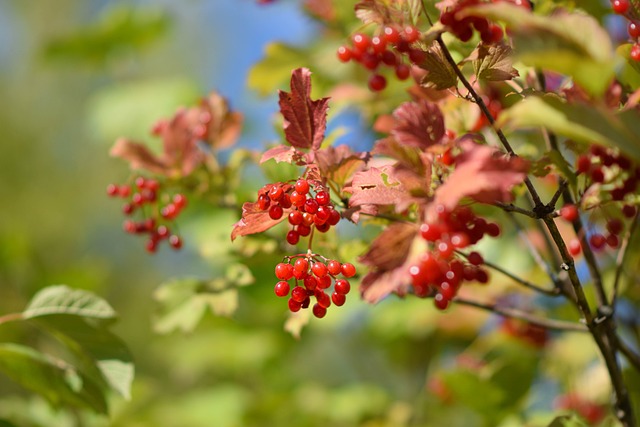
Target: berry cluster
point(313, 275)
point(607, 166)
point(439, 273)
point(385, 48)
point(158, 209)
point(308, 205)
point(463, 28)
point(625, 8)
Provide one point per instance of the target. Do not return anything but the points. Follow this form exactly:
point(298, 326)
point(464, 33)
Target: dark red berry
point(614, 226)
point(633, 29)
point(275, 212)
point(597, 241)
point(475, 258)
point(583, 164)
point(293, 237)
point(403, 71)
point(295, 218)
point(319, 311)
point(377, 82)
point(574, 247)
point(299, 294)
point(294, 305)
point(629, 211)
point(281, 289)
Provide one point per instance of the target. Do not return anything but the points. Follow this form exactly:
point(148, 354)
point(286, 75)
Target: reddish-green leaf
point(494, 62)
point(418, 124)
point(439, 75)
point(305, 120)
point(254, 220)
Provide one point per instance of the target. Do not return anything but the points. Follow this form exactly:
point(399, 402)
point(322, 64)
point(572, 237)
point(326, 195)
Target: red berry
point(282, 288)
point(629, 211)
point(302, 186)
point(344, 54)
point(275, 212)
point(275, 192)
point(129, 226)
point(284, 271)
point(620, 6)
point(324, 282)
point(299, 294)
point(319, 311)
point(411, 34)
point(113, 190)
point(475, 258)
point(303, 230)
point(322, 197)
point(633, 29)
point(597, 241)
point(361, 41)
point(295, 218)
point(440, 302)
point(569, 213)
point(311, 206)
point(163, 231)
point(403, 71)
point(334, 217)
point(319, 269)
point(342, 287)
point(391, 35)
point(180, 200)
point(635, 52)
point(613, 241)
point(310, 283)
point(430, 232)
point(597, 175)
point(301, 264)
point(338, 299)
point(323, 299)
point(378, 44)
point(264, 202)
point(348, 270)
point(614, 226)
point(377, 82)
point(334, 267)
point(140, 182)
point(151, 246)
point(583, 164)
point(459, 240)
point(293, 237)
point(493, 229)
point(175, 241)
point(128, 208)
point(496, 33)
point(294, 305)
point(574, 247)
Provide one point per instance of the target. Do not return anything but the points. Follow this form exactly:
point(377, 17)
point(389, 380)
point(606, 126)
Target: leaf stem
point(11, 317)
point(559, 325)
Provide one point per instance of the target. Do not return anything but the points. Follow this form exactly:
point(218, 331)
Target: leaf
point(376, 187)
point(390, 249)
point(254, 220)
point(54, 379)
point(305, 120)
point(494, 62)
point(418, 124)
point(439, 75)
point(569, 43)
point(281, 153)
point(64, 300)
point(338, 164)
point(374, 11)
point(482, 173)
point(138, 156)
point(104, 356)
point(223, 125)
point(577, 121)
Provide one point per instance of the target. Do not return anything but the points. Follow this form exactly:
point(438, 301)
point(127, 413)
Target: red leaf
point(223, 125)
point(181, 151)
point(376, 187)
point(281, 153)
point(338, 164)
point(390, 256)
point(254, 220)
point(483, 173)
point(304, 120)
point(138, 156)
point(419, 124)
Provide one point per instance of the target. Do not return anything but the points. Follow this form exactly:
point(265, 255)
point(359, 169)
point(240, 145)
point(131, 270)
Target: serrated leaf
point(418, 124)
point(577, 121)
point(494, 62)
point(439, 75)
point(554, 43)
point(254, 220)
point(54, 379)
point(104, 356)
point(63, 300)
point(375, 11)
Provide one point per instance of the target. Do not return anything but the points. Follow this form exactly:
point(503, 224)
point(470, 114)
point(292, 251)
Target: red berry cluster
point(625, 8)
point(158, 210)
point(591, 411)
point(439, 272)
point(308, 205)
point(387, 47)
point(463, 28)
point(607, 166)
point(313, 277)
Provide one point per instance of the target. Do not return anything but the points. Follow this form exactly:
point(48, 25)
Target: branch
point(629, 354)
point(622, 254)
point(11, 317)
point(513, 208)
point(558, 325)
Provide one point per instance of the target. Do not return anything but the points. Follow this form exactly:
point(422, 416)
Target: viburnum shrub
point(500, 123)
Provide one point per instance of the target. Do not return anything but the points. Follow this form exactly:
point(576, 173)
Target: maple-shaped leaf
point(418, 124)
point(389, 257)
point(493, 62)
point(305, 120)
point(376, 186)
point(439, 75)
point(338, 164)
point(483, 173)
point(138, 155)
point(254, 220)
point(280, 153)
point(222, 125)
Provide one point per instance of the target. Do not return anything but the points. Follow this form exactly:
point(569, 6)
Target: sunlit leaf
point(64, 300)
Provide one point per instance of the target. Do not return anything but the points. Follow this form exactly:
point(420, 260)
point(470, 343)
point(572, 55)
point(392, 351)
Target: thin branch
point(622, 254)
point(559, 325)
point(510, 207)
point(550, 292)
point(11, 317)
point(562, 185)
point(629, 354)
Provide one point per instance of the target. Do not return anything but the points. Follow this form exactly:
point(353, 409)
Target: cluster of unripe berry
point(439, 272)
point(314, 276)
point(308, 204)
point(624, 7)
point(387, 48)
point(157, 208)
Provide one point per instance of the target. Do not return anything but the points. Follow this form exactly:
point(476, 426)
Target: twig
point(629, 354)
point(513, 208)
point(562, 185)
point(11, 317)
point(559, 325)
point(622, 254)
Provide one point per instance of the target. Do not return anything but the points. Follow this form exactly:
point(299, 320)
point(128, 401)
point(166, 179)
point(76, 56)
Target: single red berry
point(140, 182)
point(137, 199)
point(403, 71)
point(169, 212)
point(629, 211)
point(370, 60)
point(124, 191)
point(301, 264)
point(361, 41)
point(113, 190)
point(496, 33)
point(475, 258)
point(342, 286)
point(447, 290)
point(613, 241)
point(334, 217)
point(334, 267)
point(620, 6)
point(338, 299)
point(569, 213)
point(151, 246)
point(282, 288)
point(303, 230)
point(322, 197)
point(295, 218)
point(597, 241)
point(377, 82)
point(597, 175)
point(275, 192)
point(264, 202)
point(411, 34)
point(344, 54)
point(445, 249)
point(614, 226)
point(175, 241)
point(163, 231)
point(482, 276)
point(180, 200)
point(311, 206)
point(323, 299)
point(323, 215)
point(417, 56)
point(302, 186)
point(128, 208)
point(275, 212)
point(574, 247)
point(311, 283)
point(293, 237)
point(297, 199)
point(440, 302)
point(493, 229)
point(129, 226)
point(459, 240)
point(391, 35)
point(348, 269)
point(319, 311)
point(284, 271)
point(294, 305)
point(635, 52)
point(430, 232)
point(633, 29)
point(389, 58)
point(319, 269)
point(583, 163)
point(378, 44)
point(299, 294)
point(324, 282)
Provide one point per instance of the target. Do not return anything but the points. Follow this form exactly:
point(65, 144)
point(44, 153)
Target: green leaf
point(554, 43)
point(54, 379)
point(578, 121)
point(102, 355)
point(274, 70)
point(440, 75)
point(63, 300)
point(494, 63)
